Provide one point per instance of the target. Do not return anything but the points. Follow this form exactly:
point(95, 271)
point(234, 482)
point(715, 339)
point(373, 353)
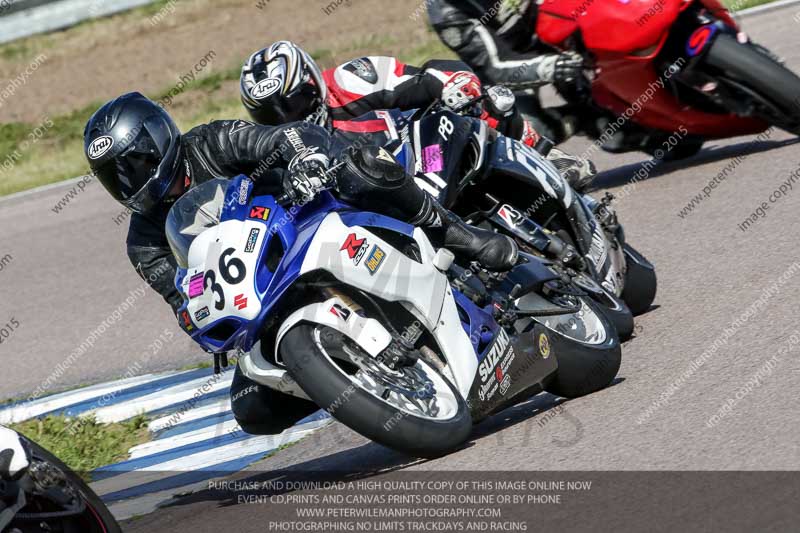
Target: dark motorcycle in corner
point(497, 182)
point(39, 493)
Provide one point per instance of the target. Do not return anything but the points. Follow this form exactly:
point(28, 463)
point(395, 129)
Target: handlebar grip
point(544, 146)
point(284, 200)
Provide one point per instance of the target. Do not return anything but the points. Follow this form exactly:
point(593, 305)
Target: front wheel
point(641, 283)
point(584, 342)
point(613, 307)
point(414, 409)
point(758, 77)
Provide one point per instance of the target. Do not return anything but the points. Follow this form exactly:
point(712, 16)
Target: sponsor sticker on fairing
point(252, 239)
point(202, 314)
point(493, 370)
point(260, 213)
point(375, 259)
point(186, 321)
point(496, 352)
point(341, 312)
point(505, 385)
point(355, 248)
point(511, 216)
point(432, 158)
point(544, 346)
point(196, 286)
point(244, 188)
point(699, 40)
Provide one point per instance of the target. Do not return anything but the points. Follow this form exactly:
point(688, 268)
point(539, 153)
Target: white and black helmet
point(281, 84)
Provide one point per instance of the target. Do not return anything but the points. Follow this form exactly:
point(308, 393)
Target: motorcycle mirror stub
point(443, 259)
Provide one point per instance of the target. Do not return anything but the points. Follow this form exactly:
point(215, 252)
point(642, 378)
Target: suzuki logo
point(493, 357)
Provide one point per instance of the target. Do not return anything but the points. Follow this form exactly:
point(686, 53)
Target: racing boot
point(577, 171)
point(492, 250)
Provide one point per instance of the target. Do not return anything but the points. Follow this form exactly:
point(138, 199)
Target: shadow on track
point(623, 175)
point(370, 459)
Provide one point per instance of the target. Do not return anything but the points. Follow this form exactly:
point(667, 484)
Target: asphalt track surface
point(69, 272)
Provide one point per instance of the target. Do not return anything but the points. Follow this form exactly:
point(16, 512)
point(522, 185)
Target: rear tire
point(326, 384)
point(759, 72)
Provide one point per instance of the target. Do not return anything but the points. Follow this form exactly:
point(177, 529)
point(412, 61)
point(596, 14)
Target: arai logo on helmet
point(266, 87)
point(100, 146)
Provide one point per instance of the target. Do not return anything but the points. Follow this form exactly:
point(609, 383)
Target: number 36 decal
point(232, 271)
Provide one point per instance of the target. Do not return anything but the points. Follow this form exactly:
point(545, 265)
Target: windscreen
point(194, 212)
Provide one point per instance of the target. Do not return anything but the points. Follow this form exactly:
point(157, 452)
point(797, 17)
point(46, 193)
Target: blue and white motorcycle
point(360, 314)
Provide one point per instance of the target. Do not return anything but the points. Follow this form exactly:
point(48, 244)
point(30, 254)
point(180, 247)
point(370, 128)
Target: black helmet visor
point(282, 109)
point(141, 175)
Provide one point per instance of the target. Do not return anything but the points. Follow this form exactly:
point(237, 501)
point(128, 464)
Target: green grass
point(85, 444)
point(196, 366)
point(739, 5)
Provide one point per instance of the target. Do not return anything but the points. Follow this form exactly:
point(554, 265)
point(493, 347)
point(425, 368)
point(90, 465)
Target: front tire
point(747, 67)
point(333, 389)
point(641, 283)
point(585, 365)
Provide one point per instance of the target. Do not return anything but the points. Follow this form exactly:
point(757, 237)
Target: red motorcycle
point(667, 66)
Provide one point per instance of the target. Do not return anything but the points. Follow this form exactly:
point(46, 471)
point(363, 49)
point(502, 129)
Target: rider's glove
point(499, 107)
point(569, 75)
point(500, 101)
point(307, 178)
point(461, 90)
point(530, 136)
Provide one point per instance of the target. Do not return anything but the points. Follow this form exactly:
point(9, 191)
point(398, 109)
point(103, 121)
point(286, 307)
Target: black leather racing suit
point(224, 149)
point(499, 43)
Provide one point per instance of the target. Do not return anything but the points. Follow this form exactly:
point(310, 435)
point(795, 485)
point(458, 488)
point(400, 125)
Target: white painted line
point(164, 398)
point(222, 406)
point(160, 445)
point(35, 408)
point(204, 459)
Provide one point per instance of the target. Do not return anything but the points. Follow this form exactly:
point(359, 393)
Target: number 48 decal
point(446, 128)
point(232, 271)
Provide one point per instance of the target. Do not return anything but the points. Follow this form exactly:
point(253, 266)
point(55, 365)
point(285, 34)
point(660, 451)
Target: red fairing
point(624, 37)
point(621, 26)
